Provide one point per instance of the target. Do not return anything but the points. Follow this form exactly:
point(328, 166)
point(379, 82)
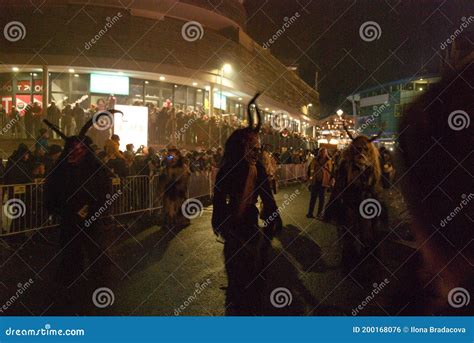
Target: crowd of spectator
point(168, 124)
point(25, 165)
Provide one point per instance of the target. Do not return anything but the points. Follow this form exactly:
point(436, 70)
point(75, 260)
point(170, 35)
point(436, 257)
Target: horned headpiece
point(75, 146)
point(251, 104)
point(371, 139)
point(241, 141)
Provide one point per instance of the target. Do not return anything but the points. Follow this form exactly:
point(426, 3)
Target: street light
point(340, 112)
point(227, 68)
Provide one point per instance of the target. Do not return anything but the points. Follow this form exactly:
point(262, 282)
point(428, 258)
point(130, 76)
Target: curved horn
point(376, 136)
point(55, 129)
point(348, 132)
point(257, 110)
point(94, 118)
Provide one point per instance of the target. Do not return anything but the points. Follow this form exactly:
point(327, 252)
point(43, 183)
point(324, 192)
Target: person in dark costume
point(240, 181)
point(355, 196)
point(75, 189)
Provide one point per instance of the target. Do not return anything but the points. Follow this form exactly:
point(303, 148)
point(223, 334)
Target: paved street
point(152, 271)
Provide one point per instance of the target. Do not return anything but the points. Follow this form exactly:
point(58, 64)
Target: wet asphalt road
point(153, 271)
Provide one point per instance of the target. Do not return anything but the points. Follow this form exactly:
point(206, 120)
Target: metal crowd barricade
point(131, 194)
point(288, 173)
point(200, 184)
point(23, 207)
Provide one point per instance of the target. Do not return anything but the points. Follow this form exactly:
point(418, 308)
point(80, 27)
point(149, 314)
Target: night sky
point(326, 38)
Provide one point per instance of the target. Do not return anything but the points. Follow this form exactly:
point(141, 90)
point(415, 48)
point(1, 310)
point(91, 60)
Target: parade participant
point(436, 141)
point(240, 181)
point(175, 182)
point(74, 191)
point(357, 186)
point(320, 172)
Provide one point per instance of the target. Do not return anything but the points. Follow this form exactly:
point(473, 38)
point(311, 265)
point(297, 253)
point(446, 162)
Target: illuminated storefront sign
point(132, 126)
point(220, 101)
point(109, 84)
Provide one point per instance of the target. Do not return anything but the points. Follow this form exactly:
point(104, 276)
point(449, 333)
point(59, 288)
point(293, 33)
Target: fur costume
point(240, 181)
point(357, 183)
point(175, 182)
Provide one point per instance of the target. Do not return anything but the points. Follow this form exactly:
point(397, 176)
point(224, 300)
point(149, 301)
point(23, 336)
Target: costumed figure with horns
point(240, 181)
point(75, 189)
point(355, 202)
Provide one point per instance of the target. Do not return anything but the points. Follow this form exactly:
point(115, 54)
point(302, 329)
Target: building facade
point(383, 106)
point(190, 53)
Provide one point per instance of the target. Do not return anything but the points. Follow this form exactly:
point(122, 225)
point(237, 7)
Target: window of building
point(191, 98)
point(60, 82)
point(180, 96)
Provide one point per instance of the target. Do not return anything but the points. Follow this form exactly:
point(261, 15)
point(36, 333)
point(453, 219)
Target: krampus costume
point(175, 183)
point(75, 189)
point(355, 202)
point(240, 181)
